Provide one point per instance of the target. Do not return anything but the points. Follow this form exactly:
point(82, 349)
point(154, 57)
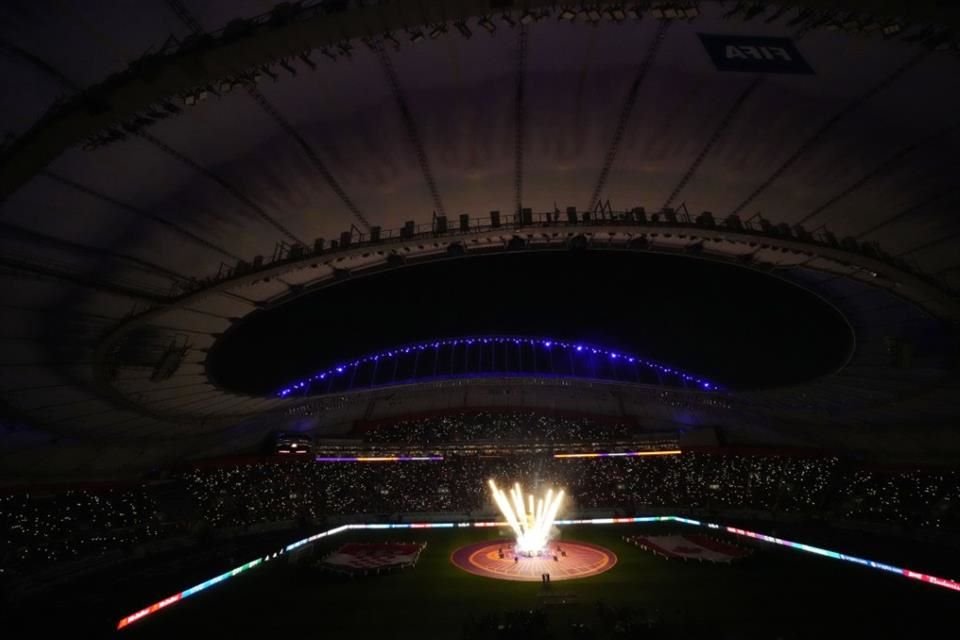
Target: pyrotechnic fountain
point(531, 520)
point(533, 556)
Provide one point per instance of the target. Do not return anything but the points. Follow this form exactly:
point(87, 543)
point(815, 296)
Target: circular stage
point(582, 560)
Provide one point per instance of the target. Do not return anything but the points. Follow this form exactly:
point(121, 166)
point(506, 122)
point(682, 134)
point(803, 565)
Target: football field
point(772, 593)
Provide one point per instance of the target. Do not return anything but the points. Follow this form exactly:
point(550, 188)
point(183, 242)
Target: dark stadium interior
point(479, 319)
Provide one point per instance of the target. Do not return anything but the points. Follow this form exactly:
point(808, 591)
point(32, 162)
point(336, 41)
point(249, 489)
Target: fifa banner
point(754, 54)
point(690, 548)
point(364, 557)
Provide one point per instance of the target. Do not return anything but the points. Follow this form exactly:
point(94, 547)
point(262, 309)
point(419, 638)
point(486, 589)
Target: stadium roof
point(153, 152)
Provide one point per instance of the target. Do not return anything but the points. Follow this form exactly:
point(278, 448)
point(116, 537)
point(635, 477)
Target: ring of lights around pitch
point(583, 560)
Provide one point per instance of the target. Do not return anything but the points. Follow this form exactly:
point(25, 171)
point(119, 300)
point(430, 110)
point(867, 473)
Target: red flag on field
point(356, 555)
point(691, 546)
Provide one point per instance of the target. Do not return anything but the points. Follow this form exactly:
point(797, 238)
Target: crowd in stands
point(40, 530)
point(927, 500)
point(495, 426)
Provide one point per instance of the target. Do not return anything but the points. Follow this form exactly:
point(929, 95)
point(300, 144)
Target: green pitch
point(773, 593)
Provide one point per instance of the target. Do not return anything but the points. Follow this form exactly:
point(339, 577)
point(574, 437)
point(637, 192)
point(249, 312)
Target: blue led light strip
point(345, 368)
point(906, 573)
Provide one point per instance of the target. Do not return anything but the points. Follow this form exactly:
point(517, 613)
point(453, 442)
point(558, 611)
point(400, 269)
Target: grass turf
point(774, 593)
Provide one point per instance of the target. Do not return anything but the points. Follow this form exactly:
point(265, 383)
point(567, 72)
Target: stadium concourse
point(271, 270)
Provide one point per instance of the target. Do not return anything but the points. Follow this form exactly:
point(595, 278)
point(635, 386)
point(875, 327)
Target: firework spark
point(531, 522)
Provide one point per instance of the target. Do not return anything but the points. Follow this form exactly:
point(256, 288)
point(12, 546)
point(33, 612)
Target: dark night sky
point(732, 325)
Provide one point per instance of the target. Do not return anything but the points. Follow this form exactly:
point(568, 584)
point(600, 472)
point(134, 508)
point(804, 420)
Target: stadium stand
point(40, 530)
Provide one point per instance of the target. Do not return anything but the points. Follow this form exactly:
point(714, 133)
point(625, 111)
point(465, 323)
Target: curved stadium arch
point(490, 356)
